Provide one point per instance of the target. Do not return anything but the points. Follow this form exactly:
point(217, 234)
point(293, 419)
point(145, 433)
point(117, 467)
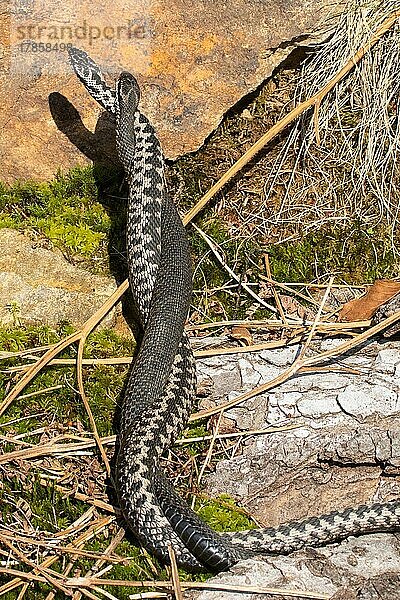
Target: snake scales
point(161, 384)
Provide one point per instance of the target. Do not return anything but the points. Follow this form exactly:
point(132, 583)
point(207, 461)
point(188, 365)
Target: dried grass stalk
point(341, 162)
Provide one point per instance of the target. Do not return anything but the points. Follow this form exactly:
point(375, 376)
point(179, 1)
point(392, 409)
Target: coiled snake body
point(161, 385)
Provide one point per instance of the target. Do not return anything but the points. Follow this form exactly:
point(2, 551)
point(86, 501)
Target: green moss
point(66, 210)
point(103, 384)
point(106, 343)
point(352, 253)
point(222, 514)
point(196, 431)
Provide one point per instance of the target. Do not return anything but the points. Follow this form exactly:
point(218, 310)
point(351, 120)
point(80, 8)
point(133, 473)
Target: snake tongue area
point(162, 382)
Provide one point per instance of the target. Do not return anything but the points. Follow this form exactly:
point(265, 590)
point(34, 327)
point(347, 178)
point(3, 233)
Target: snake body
point(161, 385)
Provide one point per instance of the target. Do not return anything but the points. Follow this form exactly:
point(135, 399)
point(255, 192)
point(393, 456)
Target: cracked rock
point(359, 568)
point(340, 442)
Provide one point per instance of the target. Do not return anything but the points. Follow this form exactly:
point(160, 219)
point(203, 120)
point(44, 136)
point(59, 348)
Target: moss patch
point(222, 514)
point(66, 210)
point(103, 383)
point(353, 254)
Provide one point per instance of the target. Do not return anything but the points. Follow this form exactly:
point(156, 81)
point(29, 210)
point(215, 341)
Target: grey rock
point(366, 400)
point(366, 567)
point(39, 286)
point(347, 439)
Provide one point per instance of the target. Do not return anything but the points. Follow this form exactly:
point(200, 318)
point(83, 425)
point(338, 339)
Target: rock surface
point(366, 568)
point(193, 63)
point(345, 452)
point(39, 286)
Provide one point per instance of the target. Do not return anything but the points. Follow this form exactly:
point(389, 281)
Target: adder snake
point(161, 385)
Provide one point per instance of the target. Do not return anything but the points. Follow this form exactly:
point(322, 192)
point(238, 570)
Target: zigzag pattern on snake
point(161, 385)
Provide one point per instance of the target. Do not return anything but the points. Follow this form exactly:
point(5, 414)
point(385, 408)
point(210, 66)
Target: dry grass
point(341, 164)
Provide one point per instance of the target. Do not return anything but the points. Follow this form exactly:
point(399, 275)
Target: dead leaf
point(24, 515)
point(265, 290)
point(226, 424)
point(24, 507)
point(204, 388)
point(242, 334)
point(365, 307)
point(292, 307)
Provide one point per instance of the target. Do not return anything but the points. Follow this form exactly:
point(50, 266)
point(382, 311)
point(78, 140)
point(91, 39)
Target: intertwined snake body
point(161, 385)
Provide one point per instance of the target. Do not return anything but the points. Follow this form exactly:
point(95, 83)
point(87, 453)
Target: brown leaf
point(365, 307)
point(265, 290)
point(242, 334)
point(292, 307)
point(226, 425)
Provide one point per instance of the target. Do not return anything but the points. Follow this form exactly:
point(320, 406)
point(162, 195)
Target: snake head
point(92, 78)
point(128, 92)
